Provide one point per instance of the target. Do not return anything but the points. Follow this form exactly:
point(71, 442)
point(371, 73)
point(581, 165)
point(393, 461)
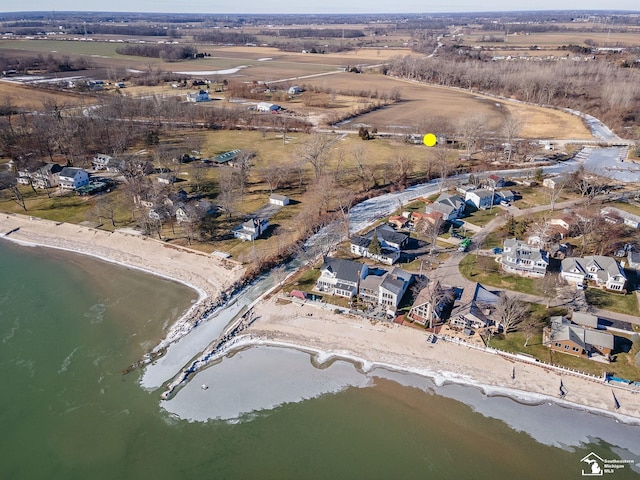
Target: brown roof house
point(565, 336)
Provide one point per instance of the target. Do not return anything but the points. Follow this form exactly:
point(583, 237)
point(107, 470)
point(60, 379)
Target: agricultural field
point(423, 106)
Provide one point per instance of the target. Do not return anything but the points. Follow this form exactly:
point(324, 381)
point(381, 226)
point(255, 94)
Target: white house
point(628, 219)
point(522, 259)
point(201, 96)
point(276, 199)
point(481, 199)
point(102, 162)
point(250, 230)
point(267, 107)
point(71, 178)
point(604, 271)
point(341, 277)
point(554, 182)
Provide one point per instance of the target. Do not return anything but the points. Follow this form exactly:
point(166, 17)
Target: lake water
point(70, 324)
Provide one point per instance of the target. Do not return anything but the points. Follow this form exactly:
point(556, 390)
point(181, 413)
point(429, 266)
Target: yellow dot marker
point(430, 140)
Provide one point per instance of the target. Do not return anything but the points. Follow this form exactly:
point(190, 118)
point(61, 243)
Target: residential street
point(448, 272)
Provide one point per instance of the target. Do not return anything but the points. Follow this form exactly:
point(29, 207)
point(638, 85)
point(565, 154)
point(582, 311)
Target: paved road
point(448, 272)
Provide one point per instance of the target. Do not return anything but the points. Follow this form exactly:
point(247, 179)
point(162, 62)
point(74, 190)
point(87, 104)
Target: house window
point(558, 344)
point(576, 349)
point(566, 347)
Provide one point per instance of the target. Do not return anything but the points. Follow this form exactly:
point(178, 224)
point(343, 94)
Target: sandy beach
point(405, 348)
point(318, 330)
point(207, 274)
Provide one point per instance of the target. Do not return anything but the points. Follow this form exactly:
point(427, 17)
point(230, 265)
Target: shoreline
point(204, 274)
point(399, 348)
point(323, 334)
point(441, 378)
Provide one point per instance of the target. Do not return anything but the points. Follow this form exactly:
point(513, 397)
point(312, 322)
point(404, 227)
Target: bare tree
point(105, 207)
point(228, 196)
point(549, 286)
point(273, 176)
point(555, 192)
point(316, 152)
point(431, 229)
point(471, 129)
point(403, 167)
point(510, 129)
point(8, 182)
point(363, 171)
point(511, 311)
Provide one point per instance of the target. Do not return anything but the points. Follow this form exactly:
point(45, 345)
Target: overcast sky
point(320, 6)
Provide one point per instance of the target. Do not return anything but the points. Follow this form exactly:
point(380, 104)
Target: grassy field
point(485, 270)
point(623, 366)
point(32, 97)
point(616, 302)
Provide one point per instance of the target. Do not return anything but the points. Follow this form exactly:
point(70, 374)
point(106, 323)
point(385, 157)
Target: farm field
point(421, 105)
point(556, 39)
point(33, 98)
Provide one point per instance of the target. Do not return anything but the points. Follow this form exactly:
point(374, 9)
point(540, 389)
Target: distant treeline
point(50, 63)
point(225, 36)
point(315, 33)
point(133, 30)
point(168, 53)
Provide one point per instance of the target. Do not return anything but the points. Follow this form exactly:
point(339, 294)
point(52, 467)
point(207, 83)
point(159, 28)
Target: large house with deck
point(522, 259)
point(604, 271)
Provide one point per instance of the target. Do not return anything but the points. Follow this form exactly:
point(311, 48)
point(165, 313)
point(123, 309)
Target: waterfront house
point(478, 313)
point(522, 259)
point(555, 182)
point(71, 178)
point(393, 287)
point(428, 306)
point(251, 229)
point(567, 337)
point(341, 277)
point(604, 271)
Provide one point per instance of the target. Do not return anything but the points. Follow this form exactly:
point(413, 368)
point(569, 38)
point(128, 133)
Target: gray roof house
point(341, 277)
point(391, 244)
point(633, 260)
point(71, 178)
point(478, 313)
point(451, 206)
point(605, 271)
point(566, 337)
point(522, 259)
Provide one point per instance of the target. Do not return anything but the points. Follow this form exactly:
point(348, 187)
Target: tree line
point(597, 87)
point(168, 53)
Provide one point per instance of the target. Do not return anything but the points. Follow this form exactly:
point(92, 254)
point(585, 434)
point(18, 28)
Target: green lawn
point(616, 302)
point(304, 281)
point(482, 217)
point(623, 366)
point(486, 270)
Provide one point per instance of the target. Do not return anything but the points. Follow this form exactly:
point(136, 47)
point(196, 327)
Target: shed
point(277, 199)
